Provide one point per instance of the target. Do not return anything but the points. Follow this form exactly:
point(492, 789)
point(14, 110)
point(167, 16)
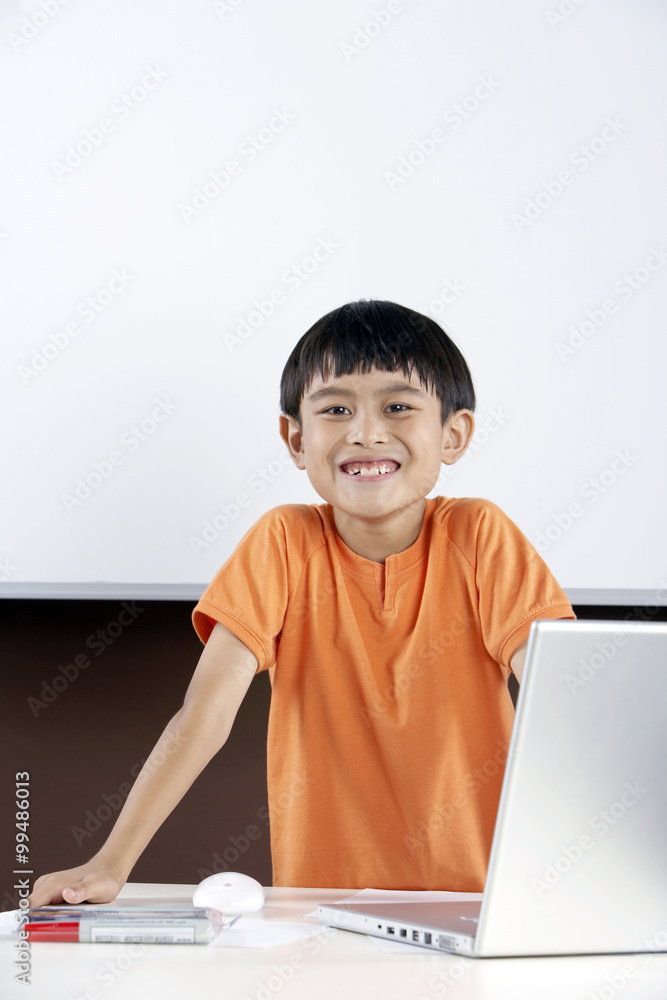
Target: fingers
point(73, 886)
point(92, 888)
point(45, 891)
point(76, 893)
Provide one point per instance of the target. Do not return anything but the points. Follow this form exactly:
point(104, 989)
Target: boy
point(388, 622)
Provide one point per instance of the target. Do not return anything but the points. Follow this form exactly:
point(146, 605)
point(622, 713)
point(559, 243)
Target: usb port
point(390, 930)
point(403, 932)
point(415, 935)
point(427, 937)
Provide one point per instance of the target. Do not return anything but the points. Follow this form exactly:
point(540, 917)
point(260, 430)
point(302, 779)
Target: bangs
point(378, 334)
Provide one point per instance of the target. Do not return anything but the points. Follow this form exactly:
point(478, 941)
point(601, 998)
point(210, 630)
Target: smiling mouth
point(367, 470)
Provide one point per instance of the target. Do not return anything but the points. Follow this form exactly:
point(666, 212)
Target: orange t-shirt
point(390, 718)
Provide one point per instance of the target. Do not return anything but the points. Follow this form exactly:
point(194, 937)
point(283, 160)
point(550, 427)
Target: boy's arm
point(518, 659)
point(192, 737)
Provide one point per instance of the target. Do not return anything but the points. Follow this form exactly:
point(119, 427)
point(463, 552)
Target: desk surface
point(336, 964)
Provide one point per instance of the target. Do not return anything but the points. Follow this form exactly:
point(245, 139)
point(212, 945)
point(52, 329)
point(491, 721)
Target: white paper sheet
point(8, 922)
point(253, 932)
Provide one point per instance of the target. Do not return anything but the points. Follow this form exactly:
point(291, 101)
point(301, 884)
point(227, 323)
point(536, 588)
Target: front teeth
point(380, 471)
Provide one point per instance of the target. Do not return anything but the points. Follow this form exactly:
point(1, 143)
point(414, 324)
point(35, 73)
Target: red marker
point(66, 931)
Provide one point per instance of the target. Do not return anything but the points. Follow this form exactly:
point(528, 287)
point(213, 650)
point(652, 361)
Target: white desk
point(338, 964)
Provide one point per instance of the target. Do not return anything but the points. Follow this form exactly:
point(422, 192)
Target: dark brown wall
point(89, 742)
point(84, 748)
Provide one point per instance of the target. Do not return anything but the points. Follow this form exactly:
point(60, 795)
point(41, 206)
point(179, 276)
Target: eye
point(332, 408)
point(401, 407)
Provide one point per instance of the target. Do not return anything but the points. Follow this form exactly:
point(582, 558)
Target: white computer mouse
point(229, 893)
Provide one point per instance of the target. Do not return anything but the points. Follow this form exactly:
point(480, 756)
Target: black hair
point(374, 333)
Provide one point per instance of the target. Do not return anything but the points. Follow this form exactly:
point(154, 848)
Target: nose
point(367, 429)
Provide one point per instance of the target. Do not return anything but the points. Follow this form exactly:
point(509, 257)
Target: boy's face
point(372, 444)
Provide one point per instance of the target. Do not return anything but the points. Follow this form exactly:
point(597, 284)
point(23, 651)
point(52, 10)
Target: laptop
point(578, 862)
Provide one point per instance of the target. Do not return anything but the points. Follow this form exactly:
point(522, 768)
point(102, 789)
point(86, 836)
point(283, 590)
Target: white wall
point(116, 113)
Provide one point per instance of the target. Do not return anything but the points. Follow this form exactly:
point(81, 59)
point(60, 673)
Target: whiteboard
point(189, 186)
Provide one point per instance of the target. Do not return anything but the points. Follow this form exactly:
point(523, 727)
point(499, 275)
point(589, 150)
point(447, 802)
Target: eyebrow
point(331, 391)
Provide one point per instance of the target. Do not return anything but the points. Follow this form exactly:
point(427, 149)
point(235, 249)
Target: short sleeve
point(515, 586)
point(249, 593)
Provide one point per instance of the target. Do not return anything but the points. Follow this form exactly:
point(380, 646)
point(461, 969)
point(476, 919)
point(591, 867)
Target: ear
point(457, 434)
point(291, 434)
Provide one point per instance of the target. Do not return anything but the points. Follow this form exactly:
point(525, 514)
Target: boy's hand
point(91, 883)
